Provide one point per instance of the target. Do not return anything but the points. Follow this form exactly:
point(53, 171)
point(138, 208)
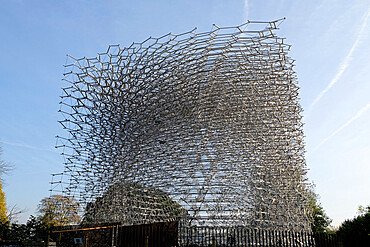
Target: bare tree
point(13, 212)
point(5, 167)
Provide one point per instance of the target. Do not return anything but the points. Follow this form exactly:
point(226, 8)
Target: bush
point(356, 232)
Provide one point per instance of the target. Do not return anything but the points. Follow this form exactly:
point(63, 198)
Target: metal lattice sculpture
point(203, 127)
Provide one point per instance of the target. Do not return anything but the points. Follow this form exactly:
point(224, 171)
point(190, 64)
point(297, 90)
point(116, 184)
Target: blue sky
point(330, 43)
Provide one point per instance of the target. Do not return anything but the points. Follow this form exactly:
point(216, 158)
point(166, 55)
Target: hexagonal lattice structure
point(203, 127)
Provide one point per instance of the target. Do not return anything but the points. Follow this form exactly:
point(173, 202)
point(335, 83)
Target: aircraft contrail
point(358, 115)
point(246, 10)
point(345, 62)
point(28, 146)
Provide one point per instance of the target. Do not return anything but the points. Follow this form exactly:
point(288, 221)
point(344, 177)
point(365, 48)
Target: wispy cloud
point(361, 112)
point(345, 62)
point(28, 146)
point(246, 11)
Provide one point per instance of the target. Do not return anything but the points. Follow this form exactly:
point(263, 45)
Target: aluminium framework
point(199, 127)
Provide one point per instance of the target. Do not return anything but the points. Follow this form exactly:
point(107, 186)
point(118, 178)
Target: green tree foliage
point(58, 210)
point(37, 229)
point(320, 221)
point(33, 233)
point(356, 232)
